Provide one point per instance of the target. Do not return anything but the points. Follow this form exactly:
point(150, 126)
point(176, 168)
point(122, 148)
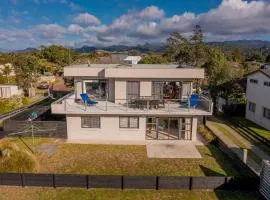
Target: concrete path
point(236, 149)
point(172, 149)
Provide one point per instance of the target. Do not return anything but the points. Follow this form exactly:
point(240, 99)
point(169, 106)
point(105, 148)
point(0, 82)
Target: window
point(267, 83)
point(90, 122)
point(255, 81)
point(133, 89)
point(266, 113)
point(157, 89)
point(251, 107)
point(128, 122)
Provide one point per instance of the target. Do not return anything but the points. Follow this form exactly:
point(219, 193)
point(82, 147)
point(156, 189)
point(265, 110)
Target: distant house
point(258, 97)
point(7, 91)
point(132, 60)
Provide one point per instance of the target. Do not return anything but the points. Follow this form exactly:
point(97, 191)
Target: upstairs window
point(266, 83)
point(128, 122)
point(255, 81)
point(90, 122)
point(266, 113)
point(252, 107)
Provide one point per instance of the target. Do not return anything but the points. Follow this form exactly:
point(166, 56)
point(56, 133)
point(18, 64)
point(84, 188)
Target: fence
point(265, 180)
point(57, 129)
point(129, 182)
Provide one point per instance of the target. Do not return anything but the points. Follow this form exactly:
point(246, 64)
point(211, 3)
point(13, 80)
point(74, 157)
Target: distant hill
point(120, 48)
point(3, 50)
point(26, 50)
point(244, 44)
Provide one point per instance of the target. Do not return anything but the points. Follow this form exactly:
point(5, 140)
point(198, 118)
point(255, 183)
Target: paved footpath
point(235, 148)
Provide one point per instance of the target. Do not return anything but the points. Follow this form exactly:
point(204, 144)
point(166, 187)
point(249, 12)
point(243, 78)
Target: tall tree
point(6, 71)
point(27, 72)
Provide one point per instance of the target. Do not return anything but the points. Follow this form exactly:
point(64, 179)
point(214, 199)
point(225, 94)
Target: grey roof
point(266, 72)
point(137, 66)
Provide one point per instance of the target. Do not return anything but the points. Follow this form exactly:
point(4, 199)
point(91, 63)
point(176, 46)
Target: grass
point(12, 193)
point(15, 159)
point(250, 131)
point(127, 160)
point(238, 142)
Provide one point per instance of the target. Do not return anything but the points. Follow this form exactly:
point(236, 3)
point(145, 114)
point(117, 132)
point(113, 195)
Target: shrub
point(206, 133)
point(15, 159)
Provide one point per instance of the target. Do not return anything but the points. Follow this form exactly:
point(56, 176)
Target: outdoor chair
point(194, 100)
point(86, 99)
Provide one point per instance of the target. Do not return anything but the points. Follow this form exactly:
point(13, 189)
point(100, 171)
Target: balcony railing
point(139, 105)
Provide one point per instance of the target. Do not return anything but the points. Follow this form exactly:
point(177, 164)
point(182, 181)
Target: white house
point(258, 97)
point(134, 103)
point(132, 59)
point(7, 91)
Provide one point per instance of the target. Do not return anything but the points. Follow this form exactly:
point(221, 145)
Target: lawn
point(12, 193)
point(124, 160)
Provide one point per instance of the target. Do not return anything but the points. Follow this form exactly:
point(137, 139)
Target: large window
point(252, 107)
point(266, 113)
point(90, 122)
point(96, 89)
point(157, 89)
point(128, 122)
point(133, 89)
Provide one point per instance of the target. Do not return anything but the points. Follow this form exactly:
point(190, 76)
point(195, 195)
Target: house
point(258, 97)
point(133, 103)
point(132, 59)
point(8, 90)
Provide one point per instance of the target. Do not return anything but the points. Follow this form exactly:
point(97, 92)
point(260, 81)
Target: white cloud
point(49, 31)
point(86, 19)
point(75, 29)
point(152, 12)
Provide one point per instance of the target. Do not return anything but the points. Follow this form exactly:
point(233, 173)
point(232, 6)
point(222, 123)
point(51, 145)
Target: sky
point(75, 23)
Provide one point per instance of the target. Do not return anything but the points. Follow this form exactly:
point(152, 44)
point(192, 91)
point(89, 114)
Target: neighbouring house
point(113, 102)
point(8, 90)
point(132, 60)
point(258, 97)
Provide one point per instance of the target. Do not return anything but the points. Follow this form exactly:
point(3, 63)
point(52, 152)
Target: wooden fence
point(129, 182)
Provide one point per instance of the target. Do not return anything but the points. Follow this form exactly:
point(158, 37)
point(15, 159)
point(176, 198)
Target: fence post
point(22, 180)
point(157, 183)
point(122, 182)
point(190, 183)
point(245, 152)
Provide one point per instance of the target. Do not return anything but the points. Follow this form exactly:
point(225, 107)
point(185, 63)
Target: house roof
point(264, 71)
point(137, 58)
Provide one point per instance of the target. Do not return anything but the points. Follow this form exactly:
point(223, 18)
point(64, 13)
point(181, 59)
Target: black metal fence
point(129, 182)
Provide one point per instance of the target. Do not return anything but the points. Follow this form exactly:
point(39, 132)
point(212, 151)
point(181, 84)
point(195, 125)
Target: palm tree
point(6, 71)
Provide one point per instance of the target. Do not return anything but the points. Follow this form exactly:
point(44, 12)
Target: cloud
point(232, 19)
point(49, 31)
point(86, 19)
point(13, 34)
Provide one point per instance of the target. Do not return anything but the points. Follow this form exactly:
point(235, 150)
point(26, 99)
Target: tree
point(186, 51)
point(267, 59)
point(27, 72)
point(154, 59)
point(237, 55)
point(6, 71)
point(58, 55)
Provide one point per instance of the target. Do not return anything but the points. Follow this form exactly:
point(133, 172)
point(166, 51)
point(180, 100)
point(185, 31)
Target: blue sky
point(25, 23)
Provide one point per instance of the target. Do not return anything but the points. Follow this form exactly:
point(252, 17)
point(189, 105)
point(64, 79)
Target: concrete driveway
point(172, 149)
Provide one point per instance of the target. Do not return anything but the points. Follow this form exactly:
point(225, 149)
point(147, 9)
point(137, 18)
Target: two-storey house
point(133, 102)
point(258, 97)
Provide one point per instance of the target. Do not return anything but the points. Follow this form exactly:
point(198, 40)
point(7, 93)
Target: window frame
point(266, 83)
point(83, 126)
point(128, 125)
point(249, 107)
point(265, 110)
point(255, 81)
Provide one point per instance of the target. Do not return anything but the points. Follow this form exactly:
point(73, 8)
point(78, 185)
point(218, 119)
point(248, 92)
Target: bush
point(15, 159)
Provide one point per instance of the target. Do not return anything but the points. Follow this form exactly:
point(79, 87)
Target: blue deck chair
point(86, 99)
point(194, 100)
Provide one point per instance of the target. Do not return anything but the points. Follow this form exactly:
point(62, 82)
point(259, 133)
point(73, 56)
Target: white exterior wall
point(120, 91)
point(7, 91)
point(109, 130)
point(194, 128)
point(111, 87)
point(260, 95)
point(78, 90)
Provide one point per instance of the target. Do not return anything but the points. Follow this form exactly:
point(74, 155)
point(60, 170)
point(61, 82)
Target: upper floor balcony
point(146, 105)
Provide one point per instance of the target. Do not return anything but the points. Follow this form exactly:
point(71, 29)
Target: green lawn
point(250, 131)
point(14, 193)
point(126, 160)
